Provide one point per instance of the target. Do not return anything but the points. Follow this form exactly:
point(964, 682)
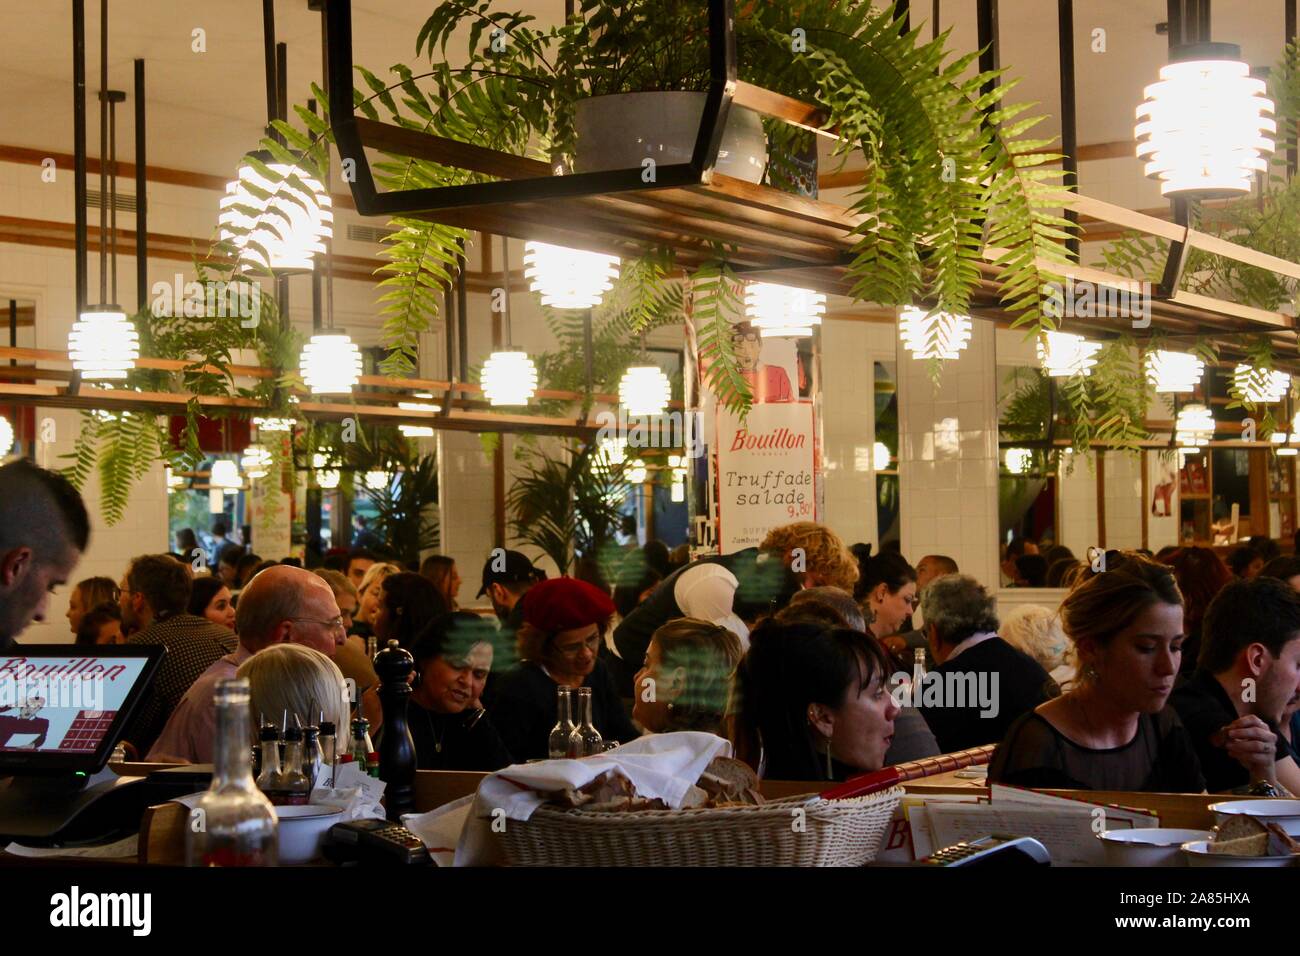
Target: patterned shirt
point(193, 645)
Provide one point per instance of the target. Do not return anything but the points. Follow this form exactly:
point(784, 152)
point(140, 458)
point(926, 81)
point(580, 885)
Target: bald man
point(280, 604)
point(44, 529)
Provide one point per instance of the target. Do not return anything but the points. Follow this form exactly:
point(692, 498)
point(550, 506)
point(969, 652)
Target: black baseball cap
point(515, 569)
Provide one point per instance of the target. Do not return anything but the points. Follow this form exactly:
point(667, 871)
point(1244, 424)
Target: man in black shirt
point(1248, 670)
point(982, 683)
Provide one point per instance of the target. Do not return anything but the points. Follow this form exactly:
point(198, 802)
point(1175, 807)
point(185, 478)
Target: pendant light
point(327, 478)
point(509, 376)
point(273, 424)
point(1018, 460)
point(225, 475)
point(1170, 372)
point(418, 431)
point(568, 278)
point(610, 453)
point(1260, 386)
point(103, 344)
point(1206, 127)
point(933, 335)
point(1064, 353)
point(644, 390)
point(256, 461)
point(678, 465)
point(783, 311)
point(378, 480)
point(275, 234)
point(880, 456)
point(636, 472)
point(6, 436)
point(331, 363)
point(1194, 428)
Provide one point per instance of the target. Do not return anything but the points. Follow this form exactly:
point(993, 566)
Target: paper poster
point(766, 472)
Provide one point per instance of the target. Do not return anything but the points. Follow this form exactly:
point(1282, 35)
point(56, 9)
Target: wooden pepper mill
point(396, 749)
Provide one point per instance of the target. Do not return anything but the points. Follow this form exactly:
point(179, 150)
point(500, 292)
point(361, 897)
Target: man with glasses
point(155, 595)
point(282, 603)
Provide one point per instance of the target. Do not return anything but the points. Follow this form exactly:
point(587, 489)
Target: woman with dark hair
point(887, 589)
point(101, 625)
point(1201, 574)
point(812, 703)
point(441, 570)
point(210, 598)
point(686, 679)
point(1112, 730)
point(448, 730)
point(407, 603)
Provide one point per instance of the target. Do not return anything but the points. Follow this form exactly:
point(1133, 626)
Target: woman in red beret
point(559, 645)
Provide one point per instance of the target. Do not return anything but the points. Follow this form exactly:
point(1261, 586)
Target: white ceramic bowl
point(302, 831)
point(1148, 846)
point(1284, 812)
point(1198, 854)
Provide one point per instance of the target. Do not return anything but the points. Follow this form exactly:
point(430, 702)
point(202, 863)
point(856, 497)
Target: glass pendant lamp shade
point(327, 478)
point(418, 431)
point(225, 474)
point(1018, 460)
point(378, 480)
point(636, 472)
point(568, 278)
point(1261, 386)
point(509, 378)
point(251, 223)
point(103, 344)
point(331, 363)
point(880, 456)
point(644, 390)
point(933, 335)
point(256, 461)
point(1174, 371)
point(1194, 428)
point(274, 424)
point(6, 436)
point(782, 310)
point(1063, 354)
point(1206, 127)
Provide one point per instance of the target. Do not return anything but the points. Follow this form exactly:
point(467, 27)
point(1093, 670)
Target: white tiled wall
point(1123, 494)
point(948, 457)
point(1076, 490)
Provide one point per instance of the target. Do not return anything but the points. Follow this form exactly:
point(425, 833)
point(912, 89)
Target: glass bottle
point(918, 675)
point(268, 771)
point(558, 748)
point(294, 786)
point(372, 646)
point(361, 747)
point(232, 824)
point(329, 750)
point(313, 757)
point(585, 740)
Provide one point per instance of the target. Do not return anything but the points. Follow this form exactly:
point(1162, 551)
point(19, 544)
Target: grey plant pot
point(621, 130)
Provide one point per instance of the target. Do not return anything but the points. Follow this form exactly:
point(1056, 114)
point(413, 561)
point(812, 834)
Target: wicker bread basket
point(828, 833)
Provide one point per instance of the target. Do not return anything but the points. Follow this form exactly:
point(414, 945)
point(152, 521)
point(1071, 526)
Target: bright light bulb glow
point(331, 363)
point(103, 344)
point(416, 431)
point(1194, 428)
point(611, 453)
point(783, 311)
point(880, 456)
point(1064, 353)
point(378, 480)
point(636, 472)
point(1174, 371)
point(256, 461)
point(937, 335)
point(303, 229)
point(225, 474)
point(1205, 128)
point(7, 436)
point(568, 278)
point(274, 424)
point(327, 478)
point(509, 378)
point(1018, 460)
point(644, 390)
point(1261, 386)
point(173, 480)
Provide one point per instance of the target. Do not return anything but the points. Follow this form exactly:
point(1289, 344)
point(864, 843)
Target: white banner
point(765, 472)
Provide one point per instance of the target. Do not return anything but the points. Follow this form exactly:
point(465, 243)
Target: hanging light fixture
point(327, 478)
point(644, 390)
point(1174, 371)
point(880, 456)
point(103, 344)
point(1018, 460)
point(568, 278)
point(418, 431)
point(225, 475)
point(933, 335)
point(274, 424)
point(636, 472)
point(331, 362)
point(256, 461)
point(6, 436)
point(1194, 428)
point(678, 465)
point(610, 453)
point(509, 378)
point(1260, 386)
point(1064, 353)
point(378, 480)
point(783, 311)
point(250, 223)
point(1206, 127)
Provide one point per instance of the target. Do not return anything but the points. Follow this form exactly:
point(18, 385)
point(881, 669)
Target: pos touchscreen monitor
point(63, 708)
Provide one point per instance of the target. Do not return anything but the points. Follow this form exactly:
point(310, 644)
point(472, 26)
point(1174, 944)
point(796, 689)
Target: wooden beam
point(782, 107)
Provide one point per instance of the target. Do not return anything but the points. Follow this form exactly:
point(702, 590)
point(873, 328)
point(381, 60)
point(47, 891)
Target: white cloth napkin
point(665, 766)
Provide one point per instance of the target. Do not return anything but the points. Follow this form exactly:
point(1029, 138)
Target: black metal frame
point(371, 202)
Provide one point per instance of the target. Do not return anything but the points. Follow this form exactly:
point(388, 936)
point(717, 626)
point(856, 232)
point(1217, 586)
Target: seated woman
point(887, 593)
point(812, 703)
point(210, 598)
point(369, 593)
point(441, 570)
point(449, 731)
point(407, 603)
point(88, 595)
point(293, 680)
point(1036, 631)
point(1112, 730)
point(559, 645)
point(103, 625)
point(686, 679)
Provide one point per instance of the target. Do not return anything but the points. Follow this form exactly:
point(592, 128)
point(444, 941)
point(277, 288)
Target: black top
point(980, 694)
point(465, 741)
point(1205, 708)
point(1159, 758)
point(524, 710)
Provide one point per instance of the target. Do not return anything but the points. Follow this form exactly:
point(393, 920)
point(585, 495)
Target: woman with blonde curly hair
point(816, 553)
point(1037, 631)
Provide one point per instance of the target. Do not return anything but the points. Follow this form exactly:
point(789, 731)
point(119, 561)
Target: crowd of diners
point(819, 661)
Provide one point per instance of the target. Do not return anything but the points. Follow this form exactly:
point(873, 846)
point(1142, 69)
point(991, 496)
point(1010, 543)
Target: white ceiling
point(206, 109)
